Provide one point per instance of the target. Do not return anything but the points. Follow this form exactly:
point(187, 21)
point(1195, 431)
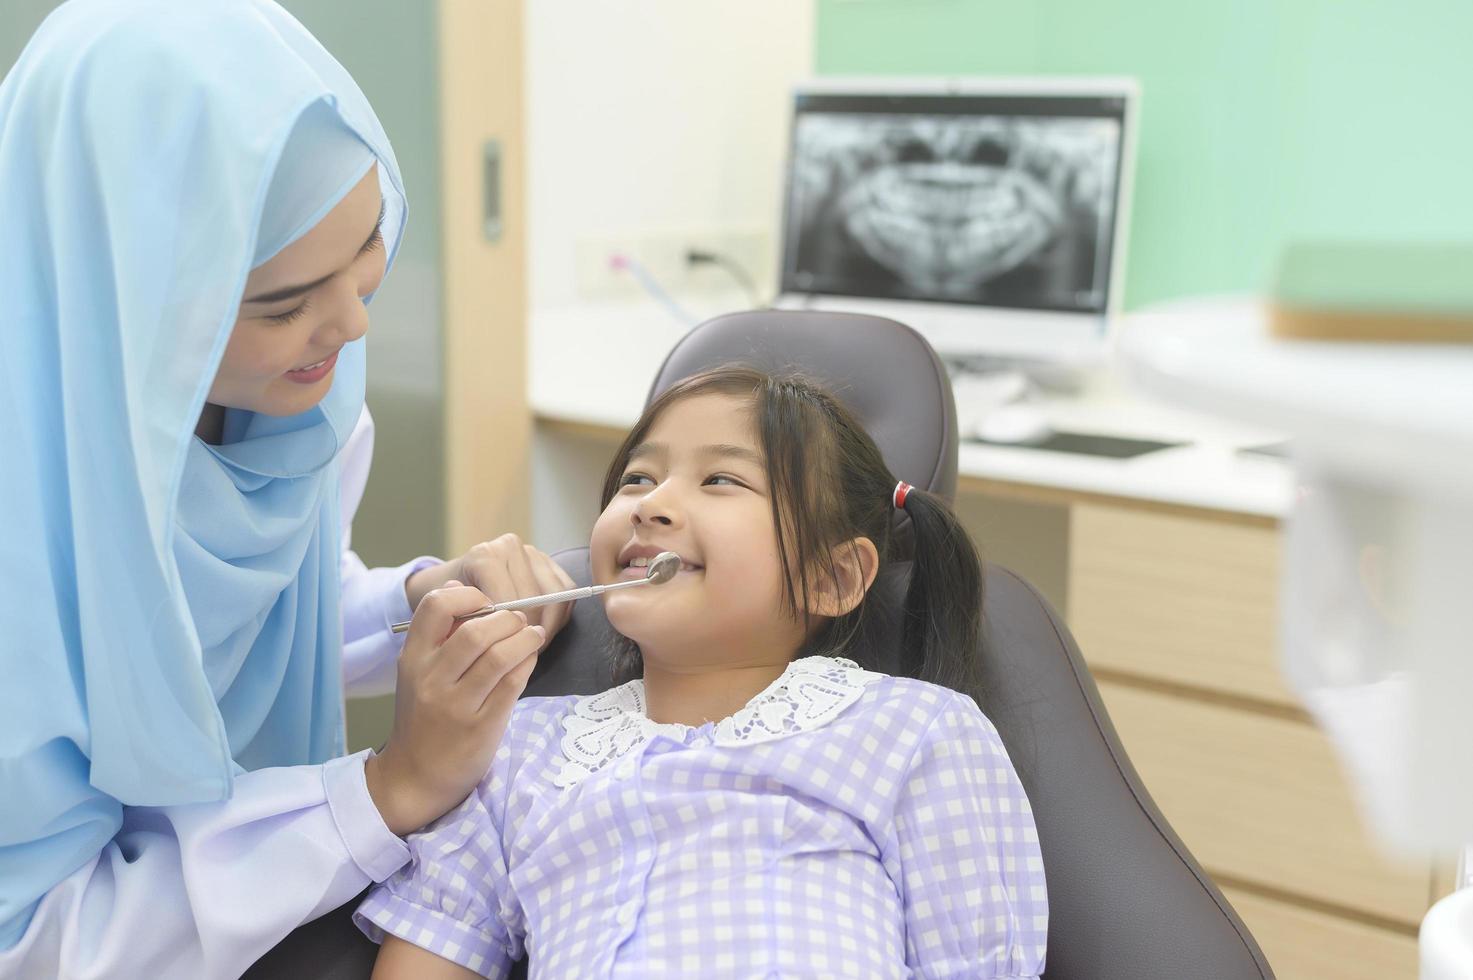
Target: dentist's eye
point(375, 241)
point(290, 315)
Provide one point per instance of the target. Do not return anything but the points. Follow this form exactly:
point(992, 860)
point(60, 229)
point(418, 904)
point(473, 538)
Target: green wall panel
point(1262, 122)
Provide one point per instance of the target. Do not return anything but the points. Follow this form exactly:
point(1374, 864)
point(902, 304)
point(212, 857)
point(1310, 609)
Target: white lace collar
point(600, 728)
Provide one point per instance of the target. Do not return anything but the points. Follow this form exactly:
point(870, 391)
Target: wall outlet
point(663, 255)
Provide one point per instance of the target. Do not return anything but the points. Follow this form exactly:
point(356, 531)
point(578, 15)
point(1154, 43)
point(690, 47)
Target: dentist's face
point(301, 306)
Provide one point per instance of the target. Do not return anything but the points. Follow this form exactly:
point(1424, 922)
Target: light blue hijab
point(169, 610)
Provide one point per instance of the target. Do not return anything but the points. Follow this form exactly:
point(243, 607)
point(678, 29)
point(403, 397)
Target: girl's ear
point(855, 564)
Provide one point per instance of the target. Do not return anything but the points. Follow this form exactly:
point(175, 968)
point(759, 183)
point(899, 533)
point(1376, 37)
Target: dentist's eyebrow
point(292, 292)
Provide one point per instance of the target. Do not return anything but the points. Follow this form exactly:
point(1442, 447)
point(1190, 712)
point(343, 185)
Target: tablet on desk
point(1086, 444)
point(1277, 450)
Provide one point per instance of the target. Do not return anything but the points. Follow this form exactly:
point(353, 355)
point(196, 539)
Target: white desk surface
point(1388, 413)
point(592, 365)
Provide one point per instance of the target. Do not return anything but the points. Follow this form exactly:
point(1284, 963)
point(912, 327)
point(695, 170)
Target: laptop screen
point(998, 200)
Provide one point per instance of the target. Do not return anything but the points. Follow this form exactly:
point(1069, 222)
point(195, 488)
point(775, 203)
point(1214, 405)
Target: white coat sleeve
point(372, 598)
point(206, 889)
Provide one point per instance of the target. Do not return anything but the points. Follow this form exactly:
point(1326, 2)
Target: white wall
point(649, 122)
point(654, 116)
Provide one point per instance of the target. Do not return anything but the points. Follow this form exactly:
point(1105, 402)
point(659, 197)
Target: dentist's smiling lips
point(312, 373)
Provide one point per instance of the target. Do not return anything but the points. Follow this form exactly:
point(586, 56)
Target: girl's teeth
point(685, 566)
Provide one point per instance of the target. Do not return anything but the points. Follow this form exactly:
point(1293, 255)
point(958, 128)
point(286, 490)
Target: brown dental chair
point(1126, 898)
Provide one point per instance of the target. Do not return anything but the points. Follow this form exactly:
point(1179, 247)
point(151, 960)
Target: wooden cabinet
point(1176, 614)
point(1261, 801)
point(1177, 598)
point(487, 420)
point(1303, 943)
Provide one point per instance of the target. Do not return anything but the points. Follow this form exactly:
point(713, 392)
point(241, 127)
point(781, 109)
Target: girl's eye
point(722, 479)
point(293, 314)
point(635, 480)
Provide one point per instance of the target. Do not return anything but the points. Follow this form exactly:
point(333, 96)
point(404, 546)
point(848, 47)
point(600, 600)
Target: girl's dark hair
point(830, 485)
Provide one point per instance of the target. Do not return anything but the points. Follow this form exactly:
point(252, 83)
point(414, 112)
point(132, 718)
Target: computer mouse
point(1013, 424)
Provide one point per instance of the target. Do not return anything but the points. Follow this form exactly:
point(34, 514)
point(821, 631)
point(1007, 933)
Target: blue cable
point(651, 285)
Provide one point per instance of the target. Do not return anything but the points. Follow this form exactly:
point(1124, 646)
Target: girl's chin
point(644, 623)
point(629, 619)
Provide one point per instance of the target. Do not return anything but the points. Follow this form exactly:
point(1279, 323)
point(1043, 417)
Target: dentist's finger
point(436, 618)
point(499, 677)
point(473, 639)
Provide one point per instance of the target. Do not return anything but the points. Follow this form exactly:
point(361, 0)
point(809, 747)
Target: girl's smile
point(636, 559)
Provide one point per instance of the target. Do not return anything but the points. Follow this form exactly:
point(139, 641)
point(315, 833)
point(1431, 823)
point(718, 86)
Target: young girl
point(750, 803)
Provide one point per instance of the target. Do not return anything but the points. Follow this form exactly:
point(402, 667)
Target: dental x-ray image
point(1001, 210)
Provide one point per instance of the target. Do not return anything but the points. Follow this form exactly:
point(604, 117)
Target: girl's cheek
point(605, 537)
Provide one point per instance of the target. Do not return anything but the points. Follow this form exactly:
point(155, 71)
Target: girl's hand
point(504, 569)
point(457, 685)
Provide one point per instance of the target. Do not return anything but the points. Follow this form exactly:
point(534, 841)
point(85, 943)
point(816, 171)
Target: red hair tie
point(898, 497)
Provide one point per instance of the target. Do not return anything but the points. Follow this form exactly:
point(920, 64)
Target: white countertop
point(593, 365)
point(1395, 414)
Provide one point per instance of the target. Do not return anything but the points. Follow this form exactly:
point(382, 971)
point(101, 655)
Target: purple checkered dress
point(842, 824)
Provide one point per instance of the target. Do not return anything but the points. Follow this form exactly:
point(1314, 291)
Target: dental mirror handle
point(661, 570)
point(567, 595)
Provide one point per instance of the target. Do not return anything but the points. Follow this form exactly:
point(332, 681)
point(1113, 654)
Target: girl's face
point(301, 306)
point(697, 486)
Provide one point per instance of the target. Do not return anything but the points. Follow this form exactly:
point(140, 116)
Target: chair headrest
point(883, 371)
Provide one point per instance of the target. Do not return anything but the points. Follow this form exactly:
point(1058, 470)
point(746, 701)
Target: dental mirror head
point(663, 568)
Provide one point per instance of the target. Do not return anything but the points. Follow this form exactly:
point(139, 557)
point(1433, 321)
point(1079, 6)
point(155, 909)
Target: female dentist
point(196, 202)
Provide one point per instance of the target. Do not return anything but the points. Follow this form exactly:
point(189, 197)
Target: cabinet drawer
point(1306, 944)
point(1261, 799)
point(1189, 600)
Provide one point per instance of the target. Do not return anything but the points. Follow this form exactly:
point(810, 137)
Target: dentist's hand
point(504, 569)
point(457, 685)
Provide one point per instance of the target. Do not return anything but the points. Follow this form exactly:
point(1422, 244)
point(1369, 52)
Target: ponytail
point(943, 605)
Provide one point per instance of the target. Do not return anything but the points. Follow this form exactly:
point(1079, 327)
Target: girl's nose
point(659, 506)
